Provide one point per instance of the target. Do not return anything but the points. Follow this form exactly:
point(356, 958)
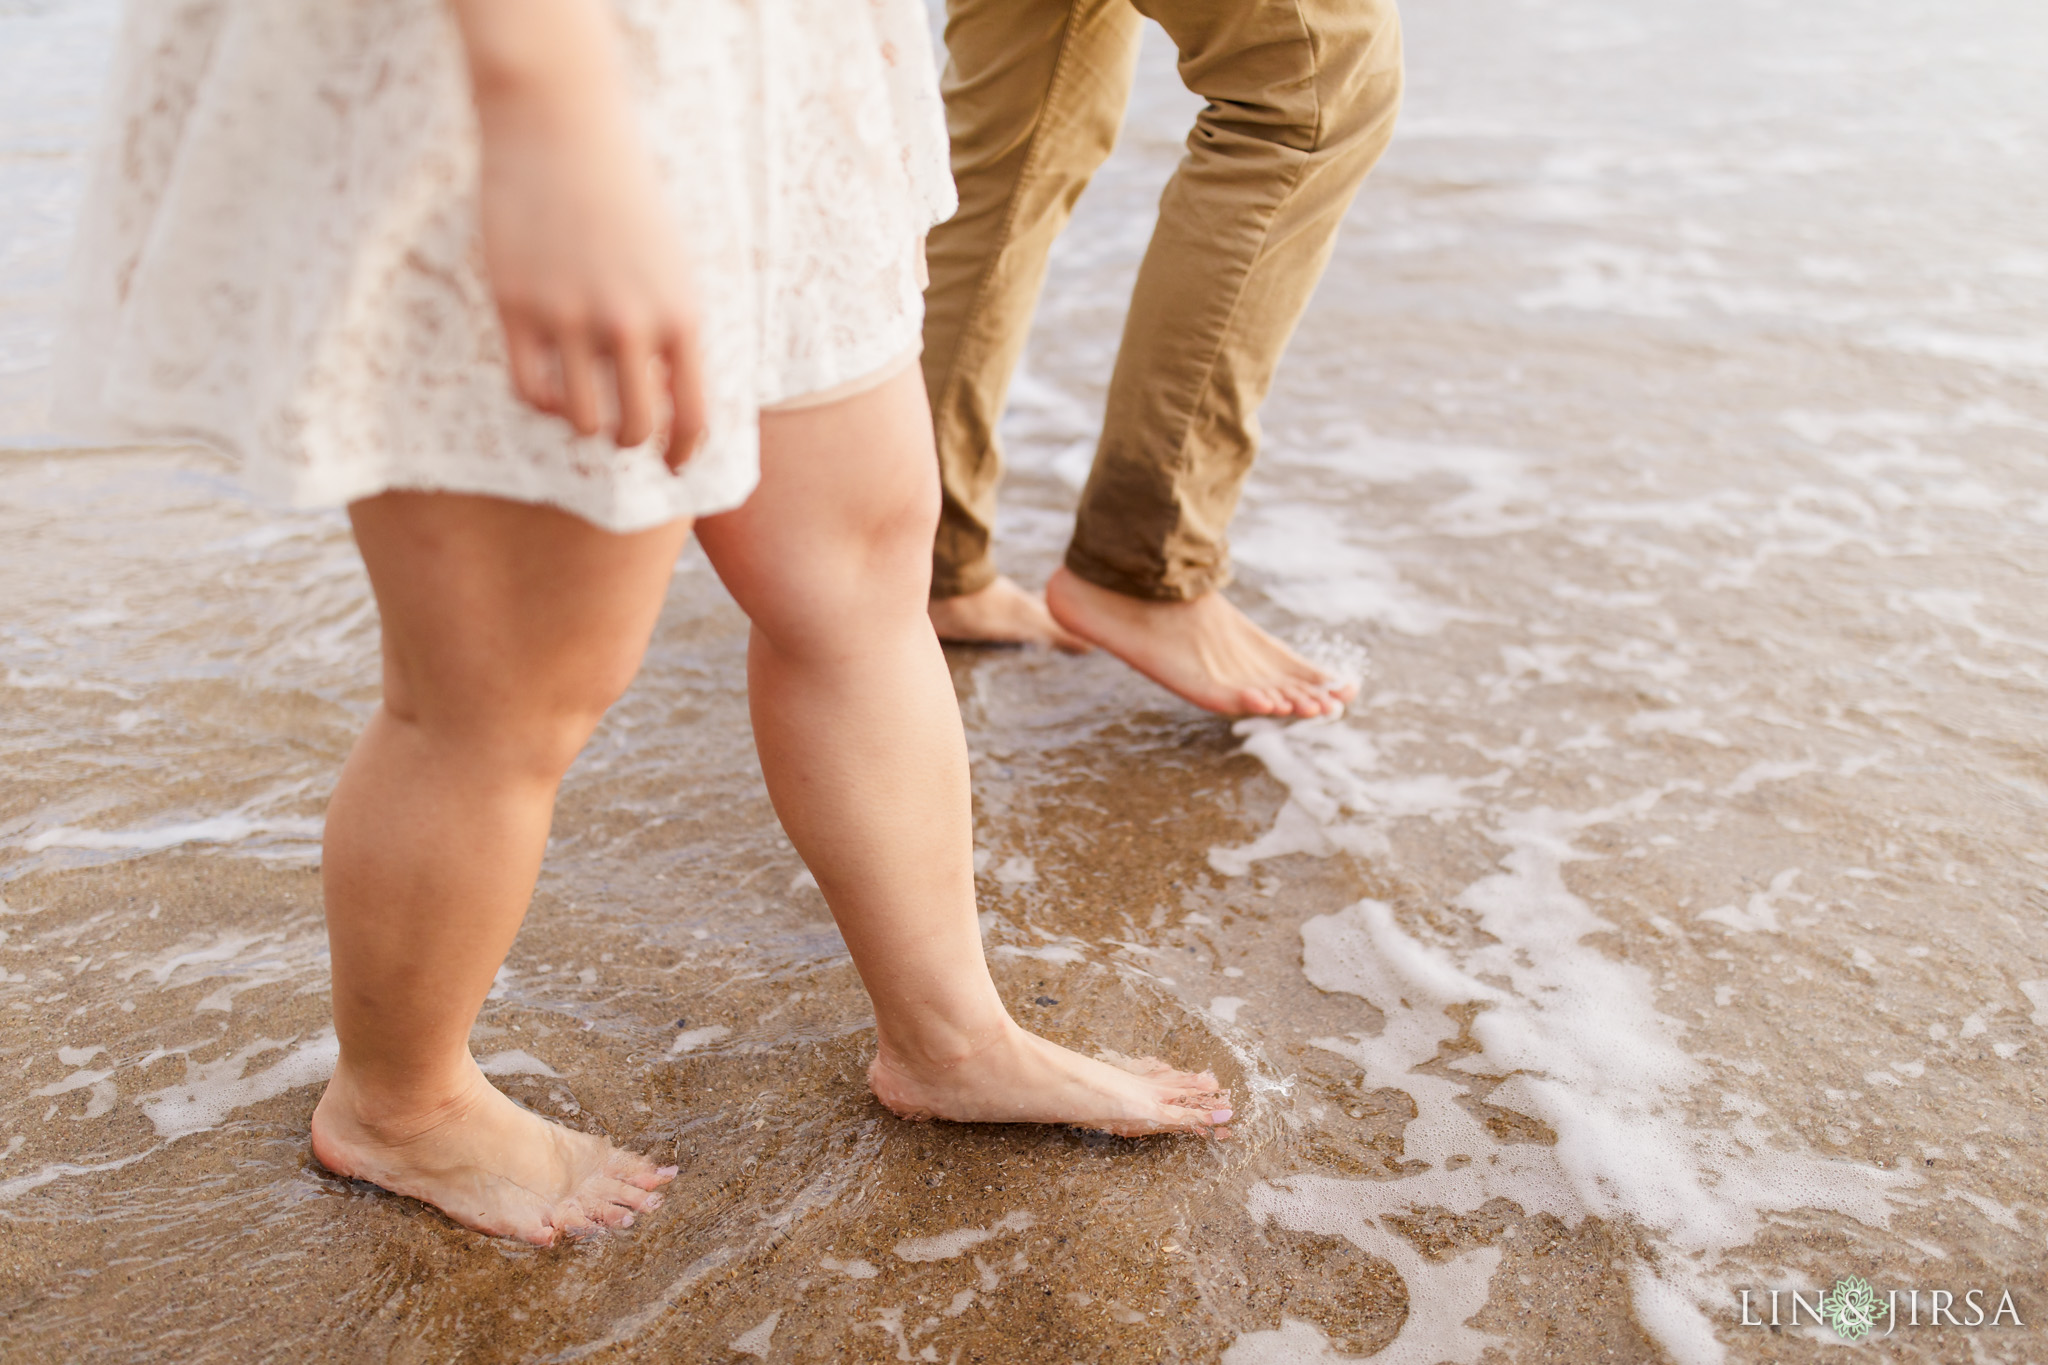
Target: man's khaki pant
point(1301, 102)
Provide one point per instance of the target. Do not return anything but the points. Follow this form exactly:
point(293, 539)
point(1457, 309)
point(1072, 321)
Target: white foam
point(1599, 277)
point(225, 947)
point(213, 1090)
point(240, 961)
point(1293, 1342)
point(853, 1270)
point(1756, 774)
point(57, 1170)
point(754, 1341)
point(1318, 570)
point(1051, 952)
point(1992, 1210)
point(1687, 723)
point(514, 1062)
point(218, 829)
point(1575, 1033)
point(1959, 608)
point(1760, 916)
point(1822, 428)
point(946, 1245)
point(2007, 353)
point(627, 1328)
point(1442, 1295)
point(689, 1040)
point(2037, 995)
point(100, 1102)
point(1336, 802)
point(1225, 1007)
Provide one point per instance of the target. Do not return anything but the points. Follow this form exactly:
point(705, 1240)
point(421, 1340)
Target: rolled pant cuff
point(959, 582)
point(1185, 584)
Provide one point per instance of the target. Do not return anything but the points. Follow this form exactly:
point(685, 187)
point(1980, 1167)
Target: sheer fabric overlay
point(278, 254)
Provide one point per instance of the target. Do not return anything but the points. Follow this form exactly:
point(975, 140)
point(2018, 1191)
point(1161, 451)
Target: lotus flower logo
point(1852, 1308)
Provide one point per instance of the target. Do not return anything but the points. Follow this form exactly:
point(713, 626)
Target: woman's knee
point(530, 719)
point(509, 628)
point(870, 571)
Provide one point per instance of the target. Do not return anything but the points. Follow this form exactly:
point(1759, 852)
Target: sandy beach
point(1664, 453)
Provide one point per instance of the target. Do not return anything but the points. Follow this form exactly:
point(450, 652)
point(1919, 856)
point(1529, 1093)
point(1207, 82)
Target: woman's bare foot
point(1021, 1078)
point(1205, 651)
point(487, 1163)
point(1003, 613)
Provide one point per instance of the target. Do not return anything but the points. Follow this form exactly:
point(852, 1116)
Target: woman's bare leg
point(508, 630)
point(860, 740)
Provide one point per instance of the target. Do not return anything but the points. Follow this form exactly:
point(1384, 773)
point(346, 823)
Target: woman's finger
point(580, 402)
point(532, 365)
point(633, 371)
point(688, 408)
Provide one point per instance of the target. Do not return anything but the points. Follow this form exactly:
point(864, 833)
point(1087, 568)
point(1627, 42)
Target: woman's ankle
point(928, 1045)
point(397, 1109)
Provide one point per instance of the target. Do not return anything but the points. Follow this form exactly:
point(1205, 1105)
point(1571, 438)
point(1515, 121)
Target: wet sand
point(1666, 920)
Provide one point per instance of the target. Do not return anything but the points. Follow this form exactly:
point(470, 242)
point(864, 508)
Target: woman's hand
point(588, 271)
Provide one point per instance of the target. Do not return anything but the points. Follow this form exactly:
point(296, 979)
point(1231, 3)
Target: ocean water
point(1665, 454)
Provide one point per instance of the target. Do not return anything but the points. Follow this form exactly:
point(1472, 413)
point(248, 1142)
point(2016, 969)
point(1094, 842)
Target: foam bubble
point(754, 1341)
point(213, 1090)
point(1442, 1295)
point(1293, 1342)
point(1756, 774)
point(689, 1040)
point(99, 1102)
point(1991, 352)
point(1579, 1043)
point(1319, 570)
point(946, 1245)
point(218, 829)
point(515, 1062)
point(1051, 952)
point(57, 1170)
point(853, 1270)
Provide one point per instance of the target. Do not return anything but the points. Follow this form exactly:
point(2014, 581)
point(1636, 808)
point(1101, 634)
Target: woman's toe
point(1256, 701)
point(1309, 702)
point(638, 1170)
point(625, 1194)
point(575, 1221)
point(1186, 1118)
point(539, 1232)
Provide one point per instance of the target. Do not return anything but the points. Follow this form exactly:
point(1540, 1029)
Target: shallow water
point(1664, 450)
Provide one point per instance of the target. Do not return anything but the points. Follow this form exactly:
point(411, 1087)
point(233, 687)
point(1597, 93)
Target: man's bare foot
point(488, 1164)
point(1003, 613)
point(1205, 651)
point(1021, 1078)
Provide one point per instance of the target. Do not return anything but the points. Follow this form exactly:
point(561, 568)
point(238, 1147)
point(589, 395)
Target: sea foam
point(1573, 1036)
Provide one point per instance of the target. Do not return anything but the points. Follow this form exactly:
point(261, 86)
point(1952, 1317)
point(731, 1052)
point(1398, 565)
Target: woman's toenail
point(1220, 1116)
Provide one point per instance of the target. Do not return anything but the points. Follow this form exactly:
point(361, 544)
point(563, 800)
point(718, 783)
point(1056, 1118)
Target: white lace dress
point(278, 255)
